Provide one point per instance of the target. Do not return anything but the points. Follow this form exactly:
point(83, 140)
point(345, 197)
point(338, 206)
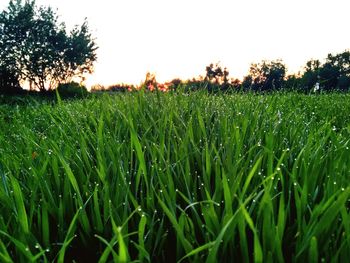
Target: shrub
point(9, 83)
point(72, 89)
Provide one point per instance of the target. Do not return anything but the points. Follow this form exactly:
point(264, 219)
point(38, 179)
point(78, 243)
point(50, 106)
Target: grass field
point(176, 177)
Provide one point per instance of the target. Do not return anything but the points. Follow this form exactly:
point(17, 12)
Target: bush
point(9, 84)
point(73, 89)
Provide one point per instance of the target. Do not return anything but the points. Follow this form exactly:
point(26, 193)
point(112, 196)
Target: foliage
point(216, 78)
point(120, 88)
point(150, 80)
point(215, 73)
point(37, 48)
point(311, 74)
point(72, 89)
point(157, 177)
point(9, 83)
point(267, 75)
point(333, 74)
point(176, 83)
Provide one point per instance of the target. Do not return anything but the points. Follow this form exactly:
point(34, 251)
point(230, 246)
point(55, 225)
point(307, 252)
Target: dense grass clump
point(158, 177)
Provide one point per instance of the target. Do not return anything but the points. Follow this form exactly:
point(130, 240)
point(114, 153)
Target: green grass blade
point(20, 207)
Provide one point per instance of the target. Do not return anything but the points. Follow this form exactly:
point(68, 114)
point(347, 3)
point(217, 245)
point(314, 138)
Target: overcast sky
point(178, 38)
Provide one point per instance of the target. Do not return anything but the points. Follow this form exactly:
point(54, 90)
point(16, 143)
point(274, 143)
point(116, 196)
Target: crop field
point(150, 177)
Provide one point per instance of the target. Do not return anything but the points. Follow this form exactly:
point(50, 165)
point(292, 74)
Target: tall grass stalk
point(152, 177)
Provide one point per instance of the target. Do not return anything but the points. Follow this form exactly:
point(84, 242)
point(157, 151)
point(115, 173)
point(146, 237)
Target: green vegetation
point(36, 48)
point(151, 177)
point(71, 90)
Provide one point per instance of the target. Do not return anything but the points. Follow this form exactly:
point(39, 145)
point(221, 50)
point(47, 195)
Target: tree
point(215, 74)
point(8, 82)
point(293, 82)
point(334, 73)
point(216, 78)
point(150, 82)
point(267, 75)
point(175, 84)
point(312, 74)
point(38, 49)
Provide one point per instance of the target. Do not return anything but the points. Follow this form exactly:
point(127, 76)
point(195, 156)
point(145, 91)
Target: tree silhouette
point(37, 49)
point(311, 74)
point(267, 75)
point(9, 83)
point(216, 74)
point(334, 73)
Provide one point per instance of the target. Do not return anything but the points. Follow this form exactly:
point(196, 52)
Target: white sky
point(178, 38)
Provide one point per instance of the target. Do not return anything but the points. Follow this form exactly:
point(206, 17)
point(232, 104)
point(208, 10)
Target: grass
point(176, 177)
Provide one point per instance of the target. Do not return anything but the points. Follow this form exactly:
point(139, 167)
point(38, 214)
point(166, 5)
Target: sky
point(179, 38)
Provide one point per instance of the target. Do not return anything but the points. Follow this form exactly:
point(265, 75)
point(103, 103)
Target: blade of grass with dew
point(69, 237)
point(20, 206)
point(313, 251)
point(22, 248)
point(258, 253)
point(141, 236)
point(109, 248)
point(179, 231)
point(4, 254)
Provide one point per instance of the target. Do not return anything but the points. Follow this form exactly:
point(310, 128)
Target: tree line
point(332, 74)
point(36, 49)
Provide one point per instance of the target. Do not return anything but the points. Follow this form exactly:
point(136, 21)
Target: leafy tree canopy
point(267, 75)
point(334, 73)
point(36, 48)
point(217, 74)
